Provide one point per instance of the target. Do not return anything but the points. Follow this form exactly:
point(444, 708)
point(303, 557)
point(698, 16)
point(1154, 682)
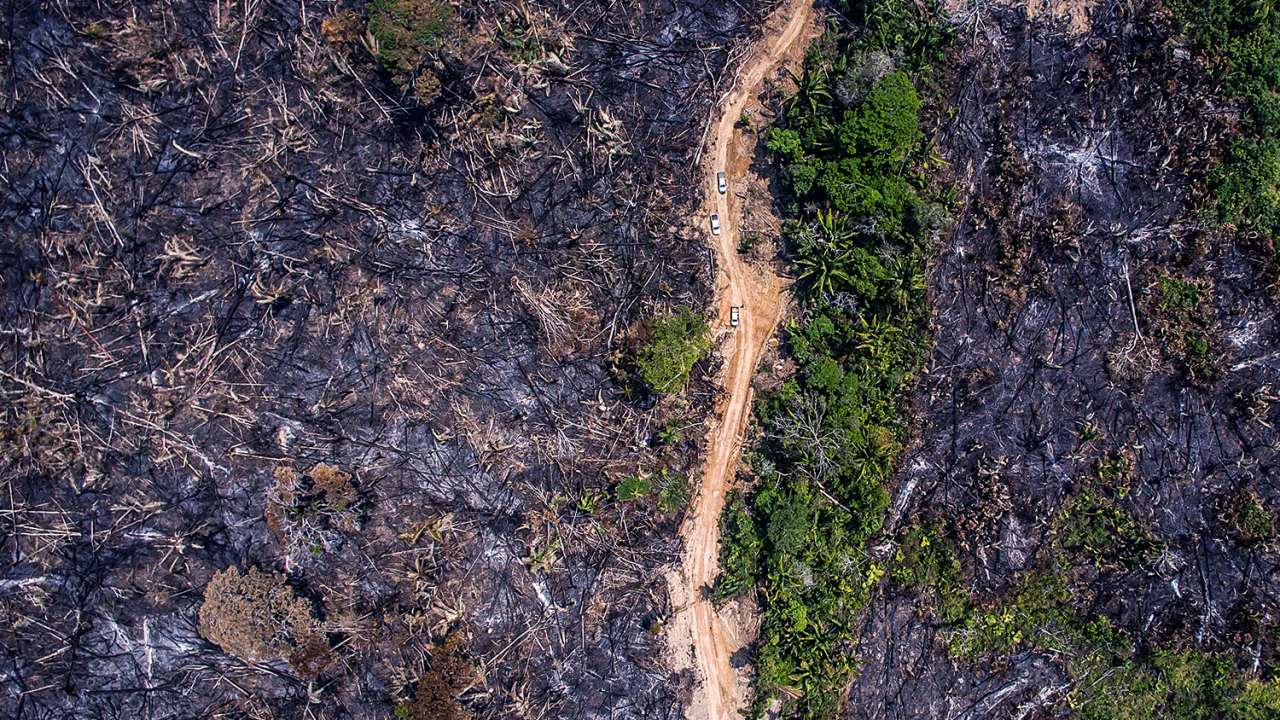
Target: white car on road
point(722, 183)
point(715, 224)
point(733, 316)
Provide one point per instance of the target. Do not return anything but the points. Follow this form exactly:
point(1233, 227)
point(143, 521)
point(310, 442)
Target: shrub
point(679, 341)
point(1250, 522)
point(1097, 528)
point(1178, 294)
point(404, 30)
point(256, 617)
point(310, 513)
point(785, 143)
point(674, 491)
point(633, 487)
point(435, 695)
point(670, 433)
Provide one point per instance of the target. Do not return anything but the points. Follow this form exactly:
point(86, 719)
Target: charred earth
point(330, 313)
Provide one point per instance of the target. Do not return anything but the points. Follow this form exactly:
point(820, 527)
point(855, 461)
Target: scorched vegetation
point(1084, 525)
point(306, 312)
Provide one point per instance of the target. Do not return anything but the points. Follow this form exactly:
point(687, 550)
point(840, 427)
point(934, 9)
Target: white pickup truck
point(715, 224)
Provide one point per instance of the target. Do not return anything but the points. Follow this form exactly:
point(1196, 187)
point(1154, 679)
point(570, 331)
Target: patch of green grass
point(406, 28)
point(1090, 432)
point(1111, 678)
point(1250, 521)
point(588, 501)
point(1040, 610)
point(1113, 471)
point(1196, 344)
point(1178, 294)
point(517, 34)
point(1039, 613)
point(1096, 528)
point(925, 560)
point(1242, 40)
point(1197, 361)
point(1187, 685)
point(404, 31)
point(1114, 466)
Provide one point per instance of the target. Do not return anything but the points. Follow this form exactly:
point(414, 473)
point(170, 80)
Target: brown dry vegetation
point(255, 616)
point(267, 303)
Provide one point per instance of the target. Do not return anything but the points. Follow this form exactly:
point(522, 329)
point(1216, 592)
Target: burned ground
point(239, 264)
point(1062, 366)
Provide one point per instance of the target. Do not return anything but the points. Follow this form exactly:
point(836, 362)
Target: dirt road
point(759, 293)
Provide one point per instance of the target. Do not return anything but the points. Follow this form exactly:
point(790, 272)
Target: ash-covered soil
point(233, 252)
point(1079, 160)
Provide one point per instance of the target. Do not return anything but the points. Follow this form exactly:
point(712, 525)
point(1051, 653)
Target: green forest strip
point(1241, 39)
point(863, 213)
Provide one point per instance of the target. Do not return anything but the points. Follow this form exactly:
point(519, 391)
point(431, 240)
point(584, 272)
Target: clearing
point(760, 294)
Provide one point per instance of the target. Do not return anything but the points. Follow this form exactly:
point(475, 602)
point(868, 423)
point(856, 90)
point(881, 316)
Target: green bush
point(679, 340)
point(886, 125)
point(1178, 294)
point(674, 491)
point(633, 487)
point(784, 143)
point(404, 31)
point(854, 160)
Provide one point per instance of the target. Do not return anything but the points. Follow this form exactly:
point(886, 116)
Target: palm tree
point(823, 252)
point(905, 277)
point(835, 228)
point(813, 92)
point(821, 269)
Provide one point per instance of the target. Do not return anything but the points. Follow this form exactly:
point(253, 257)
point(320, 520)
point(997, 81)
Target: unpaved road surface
point(760, 295)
